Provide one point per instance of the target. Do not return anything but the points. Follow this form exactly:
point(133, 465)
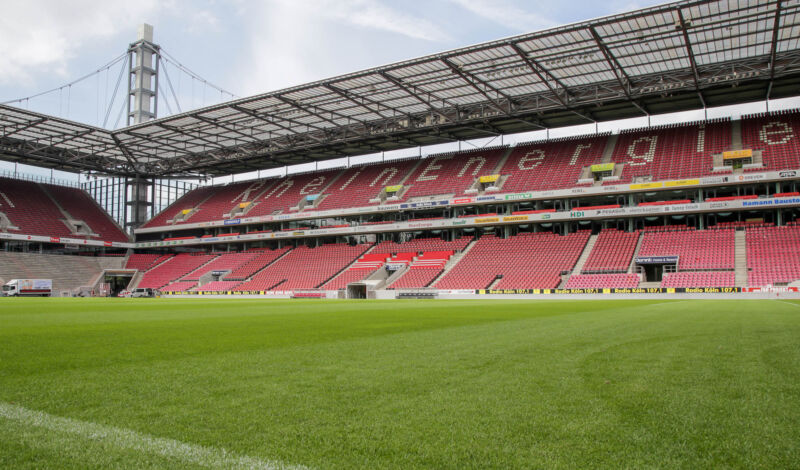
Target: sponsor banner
point(779, 201)
point(424, 205)
point(71, 241)
point(218, 273)
point(488, 178)
point(186, 211)
point(456, 291)
point(515, 218)
point(244, 205)
point(735, 154)
point(715, 180)
point(312, 197)
point(646, 185)
point(673, 184)
point(395, 188)
point(267, 293)
point(514, 197)
point(487, 220)
point(787, 174)
point(630, 290)
point(752, 177)
point(600, 167)
point(771, 290)
point(233, 222)
point(463, 200)
point(656, 260)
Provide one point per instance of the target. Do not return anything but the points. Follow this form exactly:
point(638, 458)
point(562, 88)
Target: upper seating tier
point(33, 208)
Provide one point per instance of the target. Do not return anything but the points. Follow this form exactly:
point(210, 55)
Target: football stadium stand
point(599, 281)
point(551, 165)
point(423, 271)
point(527, 260)
point(68, 273)
point(699, 279)
point(696, 250)
point(55, 211)
point(363, 185)
point(173, 269)
point(773, 255)
point(304, 267)
point(612, 252)
point(776, 136)
point(670, 152)
point(712, 203)
point(452, 173)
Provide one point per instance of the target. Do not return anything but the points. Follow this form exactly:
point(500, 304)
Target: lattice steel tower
point(144, 58)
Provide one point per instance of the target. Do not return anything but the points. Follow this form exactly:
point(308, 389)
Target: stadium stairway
point(740, 253)
point(497, 170)
point(608, 152)
point(391, 278)
point(587, 250)
point(319, 286)
point(632, 267)
point(55, 202)
point(252, 275)
point(453, 261)
point(736, 134)
point(135, 280)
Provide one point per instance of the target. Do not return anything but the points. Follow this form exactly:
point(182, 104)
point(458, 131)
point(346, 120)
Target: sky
point(250, 46)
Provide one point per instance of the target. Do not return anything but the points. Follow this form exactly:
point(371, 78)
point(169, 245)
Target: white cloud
point(506, 14)
point(40, 37)
point(375, 15)
point(201, 21)
point(290, 42)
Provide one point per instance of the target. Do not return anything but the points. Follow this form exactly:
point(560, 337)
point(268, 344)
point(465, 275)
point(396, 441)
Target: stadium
point(594, 298)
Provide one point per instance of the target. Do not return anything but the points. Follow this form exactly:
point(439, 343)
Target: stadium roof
point(673, 57)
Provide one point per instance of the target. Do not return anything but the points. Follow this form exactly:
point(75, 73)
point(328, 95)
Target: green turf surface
point(399, 384)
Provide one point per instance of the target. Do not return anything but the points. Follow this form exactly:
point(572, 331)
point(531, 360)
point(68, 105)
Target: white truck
point(28, 288)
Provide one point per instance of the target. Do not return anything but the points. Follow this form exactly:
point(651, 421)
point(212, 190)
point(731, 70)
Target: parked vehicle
point(28, 288)
point(143, 292)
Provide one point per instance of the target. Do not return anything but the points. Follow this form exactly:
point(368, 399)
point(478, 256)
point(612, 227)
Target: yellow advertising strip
point(394, 189)
point(487, 220)
point(489, 178)
point(746, 153)
point(515, 218)
point(602, 167)
point(672, 184)
point(647, 185)
point(186, 211)
point(242, 205)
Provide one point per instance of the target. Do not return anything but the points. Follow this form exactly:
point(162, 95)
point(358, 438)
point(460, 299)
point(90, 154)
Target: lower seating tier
point(699, 279)
point(600, 281)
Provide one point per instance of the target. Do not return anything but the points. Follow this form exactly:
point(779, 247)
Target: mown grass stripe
point(131, 440)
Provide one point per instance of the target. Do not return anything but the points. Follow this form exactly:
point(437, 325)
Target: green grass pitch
point(160, 383)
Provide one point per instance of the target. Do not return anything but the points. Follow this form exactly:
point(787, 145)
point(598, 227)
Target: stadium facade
point(706, 206)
